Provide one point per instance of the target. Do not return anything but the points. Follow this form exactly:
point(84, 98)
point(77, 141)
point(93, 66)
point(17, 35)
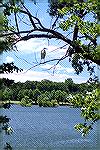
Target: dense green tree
point(1, 94)
point(6, 82)
point(18, 85)
point(40, 99)
point(29, 85)
point(30, 94)
point(60, 96)
point(69, 84)
point(2, 84)
point(60, 86)
point(45, 85)
point(90, 105)
point(14, 94)
point(7, 94)
point(26, 101)
point(52, 95)
point(43, 100)
point(36, 93)
point(25, 92)
point(20, 95)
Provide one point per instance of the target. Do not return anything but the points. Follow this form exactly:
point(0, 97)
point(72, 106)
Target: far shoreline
point(19, 103)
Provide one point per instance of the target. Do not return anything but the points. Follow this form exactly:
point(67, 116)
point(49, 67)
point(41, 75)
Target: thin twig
point(58, 60)
point(21, 20)
point(58, 48)
point(41, 64)
point(35, 57)
point(24, 60)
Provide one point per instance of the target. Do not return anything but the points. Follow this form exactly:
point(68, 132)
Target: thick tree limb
point(25, 38)
point(30, 17)
point(78, 48)
point(54, 24)
point(75, 35)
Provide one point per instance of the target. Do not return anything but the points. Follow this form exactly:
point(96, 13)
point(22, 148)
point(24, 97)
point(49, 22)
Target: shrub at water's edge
point(26, 101)
point(45, 102)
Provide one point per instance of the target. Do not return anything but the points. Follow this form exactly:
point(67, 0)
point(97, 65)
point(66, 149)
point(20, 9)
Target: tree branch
point(25, 38)
point(41, 63)
point(75, 35)
point(30, 17)
point(16, 21)
point(55, 34)
point(15, 33)
point(94, 41)
point(54, 24)
point(50, 33)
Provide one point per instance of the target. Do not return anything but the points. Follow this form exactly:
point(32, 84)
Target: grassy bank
point(65, 104)
point(12, 102)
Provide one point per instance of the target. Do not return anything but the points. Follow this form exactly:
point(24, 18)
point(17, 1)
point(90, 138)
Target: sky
point(29, 55)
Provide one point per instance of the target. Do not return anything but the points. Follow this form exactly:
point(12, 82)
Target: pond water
point(38, 128)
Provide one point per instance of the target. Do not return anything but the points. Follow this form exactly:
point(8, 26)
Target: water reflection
point(8, 146)
point(4, 125)
point(4, 119)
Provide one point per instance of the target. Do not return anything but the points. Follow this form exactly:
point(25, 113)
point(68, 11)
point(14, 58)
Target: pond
point(38, 128)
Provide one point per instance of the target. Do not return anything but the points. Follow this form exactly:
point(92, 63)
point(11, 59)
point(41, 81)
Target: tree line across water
point(50, 94)
point(44, 93)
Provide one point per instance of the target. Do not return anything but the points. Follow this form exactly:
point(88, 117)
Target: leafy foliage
point(4, 122)
point(44, 101)
point(84, 31)
point(6, 43)
point(9, 68)
point(26, 101)
point(7, 94)
point(90, 105)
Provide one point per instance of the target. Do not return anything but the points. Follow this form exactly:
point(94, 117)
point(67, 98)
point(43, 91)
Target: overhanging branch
point(25, 38)
point(39, 31)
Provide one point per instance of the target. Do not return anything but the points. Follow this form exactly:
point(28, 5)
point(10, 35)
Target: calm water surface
point(38, 128)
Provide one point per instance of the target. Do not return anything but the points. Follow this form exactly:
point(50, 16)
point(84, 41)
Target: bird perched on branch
point(43, 53)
